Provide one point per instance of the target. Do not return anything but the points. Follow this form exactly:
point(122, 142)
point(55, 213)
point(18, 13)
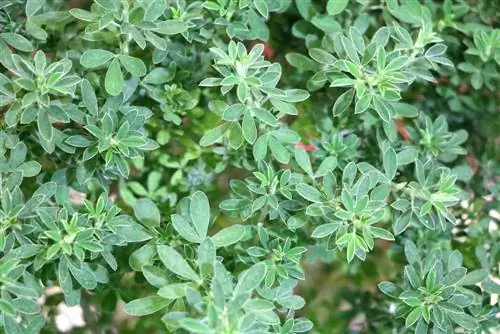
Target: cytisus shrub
point(250, 166)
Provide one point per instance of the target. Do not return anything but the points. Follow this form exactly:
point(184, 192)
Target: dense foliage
point(250, 166)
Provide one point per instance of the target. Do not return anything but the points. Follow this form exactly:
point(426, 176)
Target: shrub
point(251, 166)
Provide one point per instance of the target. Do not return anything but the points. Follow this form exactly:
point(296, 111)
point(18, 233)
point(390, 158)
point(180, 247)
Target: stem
point(124, 46)
point(263, 214)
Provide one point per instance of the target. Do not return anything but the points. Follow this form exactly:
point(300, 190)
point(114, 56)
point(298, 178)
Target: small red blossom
point(307, 147)
point(463, 88)
point(401, 127)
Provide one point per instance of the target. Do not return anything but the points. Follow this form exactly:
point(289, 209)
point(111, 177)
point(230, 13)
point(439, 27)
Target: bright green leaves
point(146, 305)
point(199, 211)
point(390, 161)
point(301, 62)
point(430, 195)
point(434, 292)
point(171, 27)
point(251, 279)
point(95, 58)
point(193, 225)
point(214, 135)
point(44, 125)
point(114, 79)
point(17, 41)
point(89, 98)
point(249, 129)
point(112, 136)
point(193, 221)
point(343, 102)
point(349, 226)
point(372, 73)
point(176, 263)
point(133, 65)
point(36, 85)
point(334, 7)
point(255, 119)
point(382, 108)
point(147, 213)
point(308, 192)
point(328, 187)
point(228, 236)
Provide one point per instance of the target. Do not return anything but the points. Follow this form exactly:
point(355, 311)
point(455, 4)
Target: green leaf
point(171, 27)
point(325, 230)
point(474, 277)
point(30, 168)
point(176, 263)
point(185, 229)
point(6, 307)
point(11, 326)
point(214, 135)
point(260, 148)
point(249, 128)
point(199, 211)
point(44, 126)
point(389, 288)
point(261, 7)
point(407, 156)
point(278, 151)
point(300, 61)
point(351, 247)
point(156, 276)
point(195, 326)
point(17, 41)
point(265, 116)
point(89, 98)
point(390, 161)
point(146, 305)
point(114, 81)
point(173, 291)
point(95, 58)
point(464, 320)
point(228, 236)
point(250, 279)
point(413, 317)
point(343, 102)
point(26, 306)
point(402, 222)
point(454, 276)
point(308, 192)
point(303, 161)
point(411, 252)
point(84, 276)
point(321, 56)
point(381, 233)
point(79, 141)
point(350, 50)
point(82, 14)
point(327, 165)
point(382, 108)
point(33, 6)
point(334, 7)
point(154, 10)
point(158, 76)
point(133, 65)
point(147, 212)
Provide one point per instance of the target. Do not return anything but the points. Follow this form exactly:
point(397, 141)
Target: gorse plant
point(251, 166)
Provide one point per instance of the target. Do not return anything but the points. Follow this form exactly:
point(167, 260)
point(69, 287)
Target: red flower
point(401, 127)
point(307, 147)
